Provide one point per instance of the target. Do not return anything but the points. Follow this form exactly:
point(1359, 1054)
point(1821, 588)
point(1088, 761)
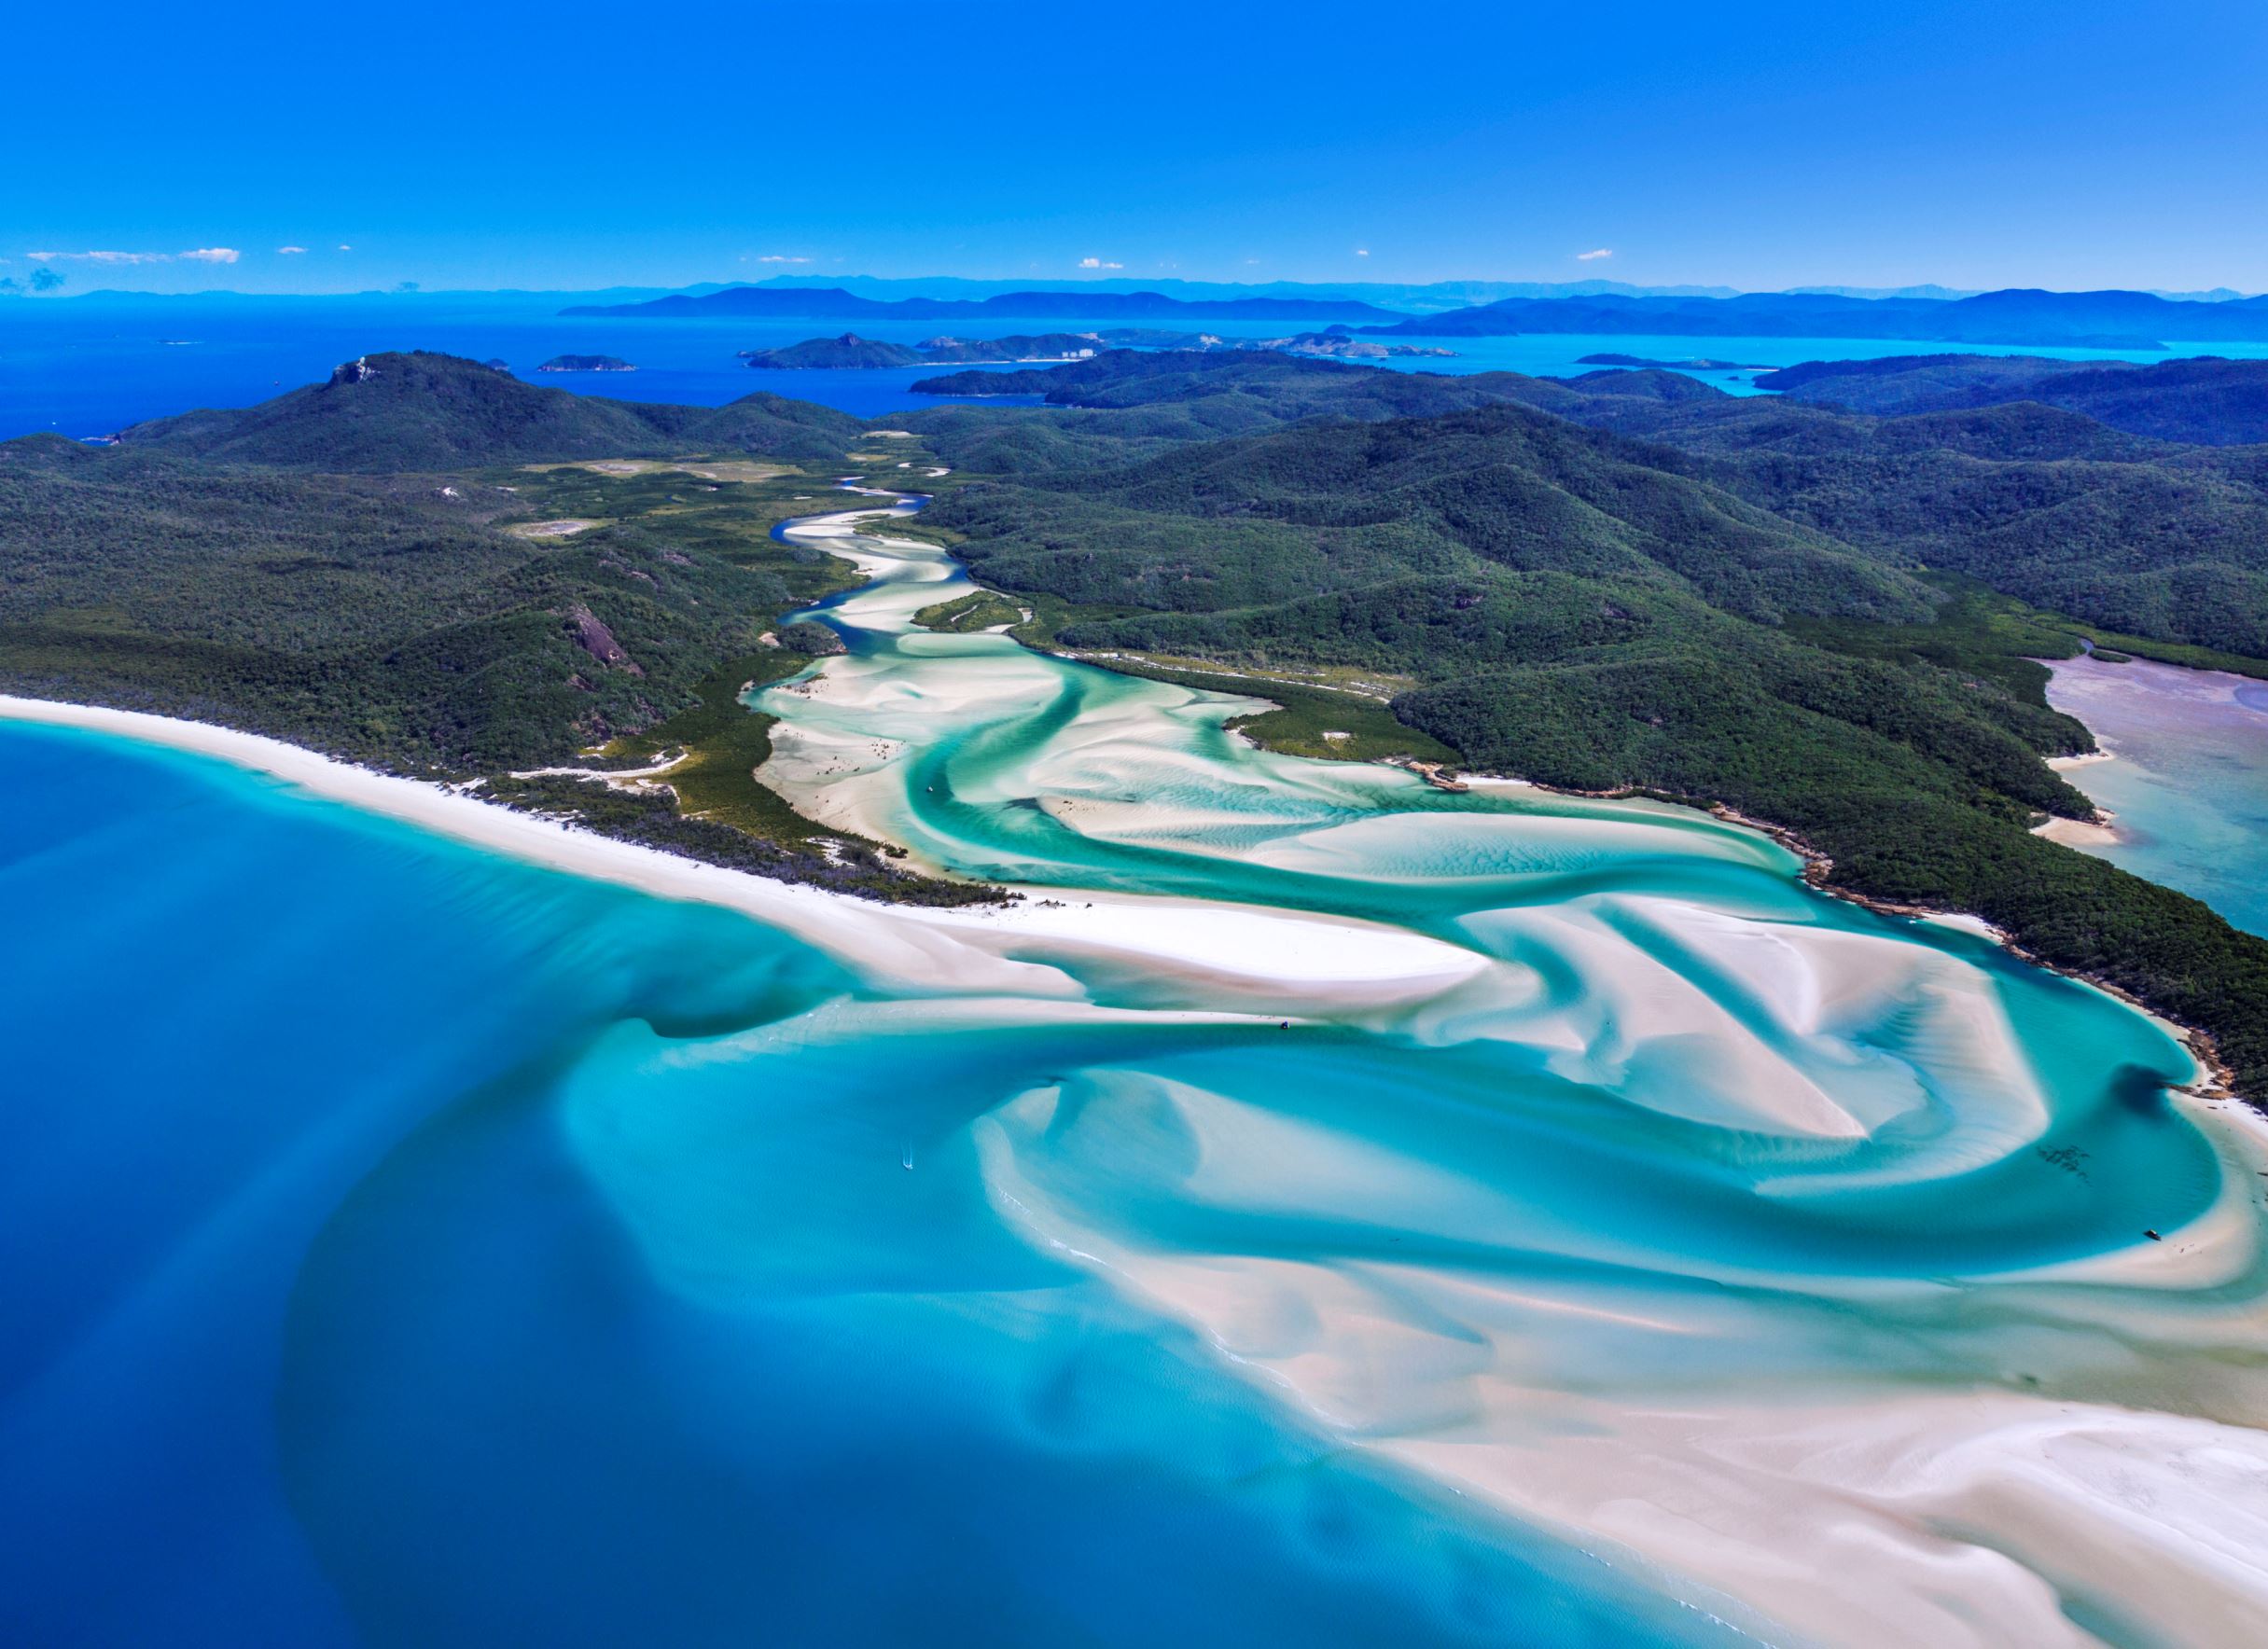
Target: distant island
point(834, 354)
point(851, 353)
point(2072, 320)
point(586, 363)
point(2086, 319)
point(1690, 364)
point(833, 303)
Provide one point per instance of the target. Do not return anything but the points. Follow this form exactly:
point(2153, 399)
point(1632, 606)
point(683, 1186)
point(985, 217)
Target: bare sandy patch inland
point(706, 469)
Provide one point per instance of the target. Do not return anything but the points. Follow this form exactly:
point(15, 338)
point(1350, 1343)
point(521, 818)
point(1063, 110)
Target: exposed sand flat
point(2079, 833)
point(1877, 1508)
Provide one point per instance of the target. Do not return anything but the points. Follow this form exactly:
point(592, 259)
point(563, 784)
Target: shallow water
point(2188, 778)
point(1553, 1225)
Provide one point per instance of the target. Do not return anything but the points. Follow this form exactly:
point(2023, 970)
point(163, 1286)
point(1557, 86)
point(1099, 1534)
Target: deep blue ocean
point(332, 1317)
point(90, 365)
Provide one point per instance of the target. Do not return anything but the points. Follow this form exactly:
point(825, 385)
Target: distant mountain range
point(2071, 319)
point(2077, 320)
point(1418, 297)
point(2205, 400)
point(833, 303)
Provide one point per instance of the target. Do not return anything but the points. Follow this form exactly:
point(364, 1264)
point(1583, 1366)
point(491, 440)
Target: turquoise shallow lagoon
point(326, 1323)
point(2188, 778)
point(1329, 1211)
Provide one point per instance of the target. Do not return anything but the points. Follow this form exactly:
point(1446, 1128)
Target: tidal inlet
point(1325, 1206)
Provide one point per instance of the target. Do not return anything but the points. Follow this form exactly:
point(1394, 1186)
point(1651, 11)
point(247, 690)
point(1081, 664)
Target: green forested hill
point(376, 619)
point(2145, 537)
point(1325, 508)
point(2161, 541)
point(835, 354)
point(392, 412)
point(2206, 401)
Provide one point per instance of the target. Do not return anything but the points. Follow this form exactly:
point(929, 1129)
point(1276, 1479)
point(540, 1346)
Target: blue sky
point(574, 146)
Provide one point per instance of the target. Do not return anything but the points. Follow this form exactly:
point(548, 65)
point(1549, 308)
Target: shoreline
point(915, 944)
point(458, 814)
point(1258, 956)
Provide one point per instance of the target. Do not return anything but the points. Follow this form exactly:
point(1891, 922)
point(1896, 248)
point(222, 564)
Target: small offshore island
point(586, 363)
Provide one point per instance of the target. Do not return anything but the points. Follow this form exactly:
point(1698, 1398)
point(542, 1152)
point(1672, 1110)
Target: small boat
point(905, 1159)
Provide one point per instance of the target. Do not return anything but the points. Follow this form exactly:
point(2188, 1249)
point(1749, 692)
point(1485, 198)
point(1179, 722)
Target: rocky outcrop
point(586, 632)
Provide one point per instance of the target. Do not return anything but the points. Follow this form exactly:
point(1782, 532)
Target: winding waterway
point(1328, 1209)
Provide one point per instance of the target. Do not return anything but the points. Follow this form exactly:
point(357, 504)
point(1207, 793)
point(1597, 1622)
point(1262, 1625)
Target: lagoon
point(2187, 778)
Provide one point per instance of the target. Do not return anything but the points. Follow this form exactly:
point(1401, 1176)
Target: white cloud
point(1362, 252)
point(101, 256)
point(777, 257)
point(1097, 263)
point(345, 248)
point(1593, 256)
point(202, 254)
point(290, 251)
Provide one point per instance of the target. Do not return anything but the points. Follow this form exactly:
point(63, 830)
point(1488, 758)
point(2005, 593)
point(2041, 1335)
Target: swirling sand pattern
point(1348, 1213)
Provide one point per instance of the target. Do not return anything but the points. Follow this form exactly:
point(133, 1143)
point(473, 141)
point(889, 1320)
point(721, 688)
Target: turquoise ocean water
point(408, 1245)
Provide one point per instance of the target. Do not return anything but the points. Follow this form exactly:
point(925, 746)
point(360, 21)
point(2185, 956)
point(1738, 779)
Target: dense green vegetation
point(2163, 544)
point(386, 619)
point(463, 624)
point(979, 609)
point(2208, 401)
point(1604, 615)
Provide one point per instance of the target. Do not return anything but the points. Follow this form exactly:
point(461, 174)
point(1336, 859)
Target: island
point(852, 353)
point(586, 363)
point(833, 355)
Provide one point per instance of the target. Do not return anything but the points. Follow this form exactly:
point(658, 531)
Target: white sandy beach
point(1268, 955)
